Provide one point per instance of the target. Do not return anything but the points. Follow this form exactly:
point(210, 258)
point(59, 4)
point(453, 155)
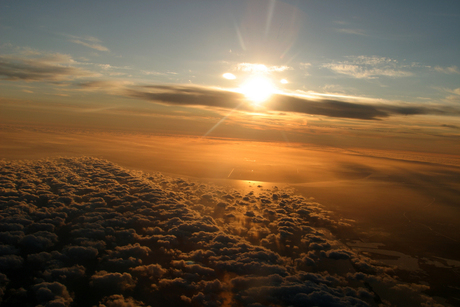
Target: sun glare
point(257, 89)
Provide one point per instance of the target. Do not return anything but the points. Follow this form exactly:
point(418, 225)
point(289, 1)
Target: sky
point(331, 73)
point(317, 144)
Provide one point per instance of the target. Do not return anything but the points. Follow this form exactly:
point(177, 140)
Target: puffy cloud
point(135, 250)
point(201, 299)
point(8, 250)
point(49, 227)
point(37, 242)
point(65, 274)
point(112, 282)
point(151, 271)
point(118, 300)
point(10, 262)
point(3, 283)
point(116, 237)
point(39, 259)
point(53, 294)
point(193, 268)
point(11, 226)
point(80, 252)
point(120, 264)
point(339, 254)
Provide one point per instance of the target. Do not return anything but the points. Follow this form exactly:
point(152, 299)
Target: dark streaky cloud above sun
point(207, 97)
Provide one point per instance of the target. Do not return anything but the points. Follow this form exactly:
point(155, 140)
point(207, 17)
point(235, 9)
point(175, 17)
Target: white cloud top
point(365, 67)
point(260, 68)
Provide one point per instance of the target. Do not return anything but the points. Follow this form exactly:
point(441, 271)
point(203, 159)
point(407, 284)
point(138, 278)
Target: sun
point(257, 89)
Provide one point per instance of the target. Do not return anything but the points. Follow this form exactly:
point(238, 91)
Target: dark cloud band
point(210, 97)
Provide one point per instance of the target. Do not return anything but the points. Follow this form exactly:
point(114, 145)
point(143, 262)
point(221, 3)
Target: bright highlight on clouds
point(260, 68)
point(229, 76)
point(284, 81)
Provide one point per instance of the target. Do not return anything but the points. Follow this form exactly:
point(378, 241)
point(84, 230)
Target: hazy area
point(414, 195)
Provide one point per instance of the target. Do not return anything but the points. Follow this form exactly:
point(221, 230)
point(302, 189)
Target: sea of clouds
point(87, 232)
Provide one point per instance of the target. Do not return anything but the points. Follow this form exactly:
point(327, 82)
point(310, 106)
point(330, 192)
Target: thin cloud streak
point(451, 126)
point(93, 46)
point(447, 70)
point(353, 31)
point(90, 42)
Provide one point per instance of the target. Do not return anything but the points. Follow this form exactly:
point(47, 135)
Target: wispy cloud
point(41, 67)
point(88, 41)
point(352, 31)
point(158, 73)
point(447, 70)
point(454, 97)
point(365, 67)
point(455, 91)
point(451, 126)
point(305, 67)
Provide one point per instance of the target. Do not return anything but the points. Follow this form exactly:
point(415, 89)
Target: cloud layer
point(84, 231)
point(208, 97)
